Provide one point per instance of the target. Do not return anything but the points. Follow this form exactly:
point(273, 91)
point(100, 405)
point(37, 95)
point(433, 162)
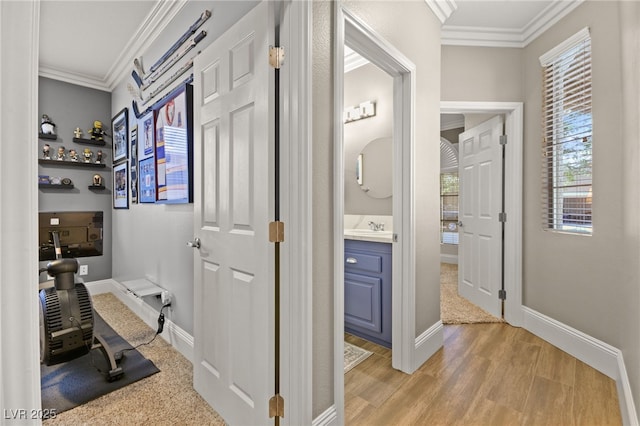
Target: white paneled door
point(233, 202)
point(480, 242)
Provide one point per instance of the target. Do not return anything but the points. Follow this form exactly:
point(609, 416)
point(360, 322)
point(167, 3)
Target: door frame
point(354, 31)
point(513, 188)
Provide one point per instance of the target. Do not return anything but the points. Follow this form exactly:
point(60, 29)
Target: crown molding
point(73, 78)
point(451, 121)
point(157, 20)
point(353, 60)
point(442, 8)
point(500, 37)
point(159, 17)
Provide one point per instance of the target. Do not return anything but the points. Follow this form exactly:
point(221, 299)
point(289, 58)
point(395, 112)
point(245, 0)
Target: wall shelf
point(70, 163)
point(97, 187)
point(48, 136)
point(89, 142)
point(55, 186)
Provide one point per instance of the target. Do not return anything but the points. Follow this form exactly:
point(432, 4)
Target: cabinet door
point(363, 302)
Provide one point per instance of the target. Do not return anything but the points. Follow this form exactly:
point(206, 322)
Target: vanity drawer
point(362, 262)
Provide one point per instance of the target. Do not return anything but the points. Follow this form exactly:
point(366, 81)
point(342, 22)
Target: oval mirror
point(373, 171)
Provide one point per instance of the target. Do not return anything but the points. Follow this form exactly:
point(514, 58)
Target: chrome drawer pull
point(352, 260)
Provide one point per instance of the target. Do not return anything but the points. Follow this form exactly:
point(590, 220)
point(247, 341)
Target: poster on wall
point(134, 165)
point(174, 147)
point(145, 143)
point(120, 186)
point(120, 132)
point(147, 180)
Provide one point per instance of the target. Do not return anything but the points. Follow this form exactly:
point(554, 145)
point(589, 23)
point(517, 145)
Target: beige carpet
point(354, 355)
point(166, 398)
point(455, 309)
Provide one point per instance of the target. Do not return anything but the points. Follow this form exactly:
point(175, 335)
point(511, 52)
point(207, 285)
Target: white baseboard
point(328, 418)
point(173, 334)
point(449, 258)
point(603, 357)
point(427, 344)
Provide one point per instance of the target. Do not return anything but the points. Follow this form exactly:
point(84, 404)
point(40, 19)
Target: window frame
point(560, 139)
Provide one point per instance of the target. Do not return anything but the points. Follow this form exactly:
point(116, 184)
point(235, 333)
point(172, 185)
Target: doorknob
point(195, 243)
point(460, 223)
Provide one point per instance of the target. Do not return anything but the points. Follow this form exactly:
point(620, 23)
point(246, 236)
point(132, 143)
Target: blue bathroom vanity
point(367, 290)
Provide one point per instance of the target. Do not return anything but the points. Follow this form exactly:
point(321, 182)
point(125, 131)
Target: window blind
point(567, 136)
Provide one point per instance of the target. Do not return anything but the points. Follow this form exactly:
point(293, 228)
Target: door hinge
point(503, 139)
point(502, 217)
point(276, 232)
point(276, 406)
point(502, 294)
point(276, 56)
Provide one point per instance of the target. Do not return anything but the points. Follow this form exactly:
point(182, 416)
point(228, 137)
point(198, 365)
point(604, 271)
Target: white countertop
point(369, 235)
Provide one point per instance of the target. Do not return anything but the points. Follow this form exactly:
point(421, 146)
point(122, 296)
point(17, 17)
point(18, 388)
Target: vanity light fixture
point(364, 110)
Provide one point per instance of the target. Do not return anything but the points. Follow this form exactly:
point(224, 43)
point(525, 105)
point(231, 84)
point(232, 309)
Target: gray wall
point(418, 38)
point(589, 283)
point(367, 83)
point(71, 106)
point(581, 281)
point(150, 239)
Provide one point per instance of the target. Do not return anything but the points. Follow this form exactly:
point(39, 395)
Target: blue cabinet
point(367, 290)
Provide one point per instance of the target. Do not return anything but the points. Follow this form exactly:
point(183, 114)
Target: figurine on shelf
point(97, 180)
point(73, 155)
point(46, 152)
point(97, 132)
point(87, 154)
point(61, 154)
point(47, 127)
point(99, 157)
point(77, 132)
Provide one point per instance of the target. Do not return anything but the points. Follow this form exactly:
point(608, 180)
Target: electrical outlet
point(166, 297)
point(84, 269)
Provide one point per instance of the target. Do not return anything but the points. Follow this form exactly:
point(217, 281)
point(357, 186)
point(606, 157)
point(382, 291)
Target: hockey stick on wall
point(146, 81)
point(192, 29)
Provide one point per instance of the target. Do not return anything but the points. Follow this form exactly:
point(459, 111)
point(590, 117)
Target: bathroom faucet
point(376, 226)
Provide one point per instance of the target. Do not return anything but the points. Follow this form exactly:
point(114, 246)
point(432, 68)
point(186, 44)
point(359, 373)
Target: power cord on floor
point(118, 355)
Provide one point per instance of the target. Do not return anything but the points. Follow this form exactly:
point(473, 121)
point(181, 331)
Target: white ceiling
point(92, 43)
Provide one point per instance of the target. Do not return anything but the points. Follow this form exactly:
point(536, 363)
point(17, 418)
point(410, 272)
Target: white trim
point(369, 44)
point(74, 78)
point(514, 127)
point(569, 43)
point(442, 8)
point(173, 334)
point(593, 352)
point(508, 37)
point(19, 312)
point(296, 206)
point(428, 344)
point(449, 258)
point(327, 418)
point(625, 397)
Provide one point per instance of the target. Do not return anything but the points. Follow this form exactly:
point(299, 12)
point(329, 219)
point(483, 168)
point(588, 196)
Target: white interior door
point(233, 201)
point(480, 243)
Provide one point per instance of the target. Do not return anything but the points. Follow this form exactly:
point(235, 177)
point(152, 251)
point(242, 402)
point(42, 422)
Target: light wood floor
point(486, 374)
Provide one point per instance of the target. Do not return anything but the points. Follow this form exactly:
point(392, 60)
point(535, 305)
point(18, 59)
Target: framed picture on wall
point(174, 146)
point(121, 185)
point(145, 136)
point(120, 132)
point(147, 170)
point(133, 162)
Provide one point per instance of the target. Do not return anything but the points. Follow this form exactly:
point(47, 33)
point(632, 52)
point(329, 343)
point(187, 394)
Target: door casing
point(514, 126)
point(369, 44)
